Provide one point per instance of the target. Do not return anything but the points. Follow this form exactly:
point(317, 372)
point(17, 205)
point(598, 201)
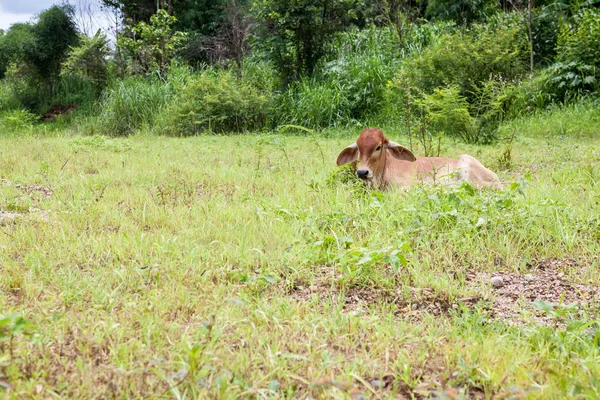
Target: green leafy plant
point(145, 48)
point(10, 327)
point(88, 61)
point(217, 101)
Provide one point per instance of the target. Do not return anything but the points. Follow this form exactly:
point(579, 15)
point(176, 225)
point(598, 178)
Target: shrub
point(581, 43)
point(54, 33)
point(216, 101)
point(544, 30)
point(295, 33)
point(16, 121)
point(88, 61)
point(564, 82)
point(467, 59)
point(448, 112)
point(8, 100)
point(25, 86)
point(422, 36)
point(460, 84)
point(462, 11)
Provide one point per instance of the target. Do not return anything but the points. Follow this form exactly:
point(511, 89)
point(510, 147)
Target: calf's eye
point(378, 148)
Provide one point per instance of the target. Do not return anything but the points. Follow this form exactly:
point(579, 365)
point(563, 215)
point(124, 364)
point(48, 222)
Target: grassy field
point(252, 266)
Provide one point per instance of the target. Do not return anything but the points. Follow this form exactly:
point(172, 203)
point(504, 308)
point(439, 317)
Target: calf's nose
point(362, 173)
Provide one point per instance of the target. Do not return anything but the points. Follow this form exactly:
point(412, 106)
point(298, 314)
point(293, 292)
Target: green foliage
point(461, 11)
point(54, 33)
point(17, 121)
point(495, 102)
point(216, 101)
point(294, 32)
point(448, 113)
point(147, 48)
point(467, 59)
point(313, 104)
point(363, 62)
point(565, 82)
point(544, 30)
point(581, 42)
point(424, 35)
point(134, 10)
point(88, 61)
point(469, 70)
point(31, 56)
point(130, 104)
point(13, 45)
point(25, 86)
point(347, 86)
point(8, 100)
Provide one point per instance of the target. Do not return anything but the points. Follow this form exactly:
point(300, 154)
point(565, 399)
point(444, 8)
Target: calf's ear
point(348, 155)
point(400, 152)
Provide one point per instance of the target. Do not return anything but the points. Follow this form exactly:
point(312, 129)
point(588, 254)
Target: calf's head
point(373, 148)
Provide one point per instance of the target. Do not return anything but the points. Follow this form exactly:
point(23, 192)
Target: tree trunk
point(530, 36)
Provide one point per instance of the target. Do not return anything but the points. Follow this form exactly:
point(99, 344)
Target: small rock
point(377, 384)
point(497, 281)
point(529, 277)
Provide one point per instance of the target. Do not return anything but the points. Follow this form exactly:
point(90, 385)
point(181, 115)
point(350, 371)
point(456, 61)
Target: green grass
point(251, 266)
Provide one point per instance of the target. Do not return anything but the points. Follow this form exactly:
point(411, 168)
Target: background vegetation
point(442, 68)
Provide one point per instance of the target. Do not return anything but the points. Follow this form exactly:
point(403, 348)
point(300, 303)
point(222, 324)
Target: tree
point(295, 32)
point(53, 34)
point(150, 47)
point(134, 10)
point(13, 44)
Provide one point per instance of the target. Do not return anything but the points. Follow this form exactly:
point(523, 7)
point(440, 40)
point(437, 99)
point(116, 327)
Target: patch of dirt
point(42, 190)
point(7, 217)
point(546, 282)
point(57, 110)
point(358, 298)
point(10, 217)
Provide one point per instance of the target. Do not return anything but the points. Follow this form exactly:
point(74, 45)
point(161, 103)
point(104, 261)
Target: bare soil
point(513, 302)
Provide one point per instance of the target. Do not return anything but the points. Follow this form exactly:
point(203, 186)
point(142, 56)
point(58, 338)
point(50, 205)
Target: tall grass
point(129, 105)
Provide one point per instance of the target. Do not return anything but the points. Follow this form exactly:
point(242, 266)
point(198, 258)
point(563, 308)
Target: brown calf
point(383, 162)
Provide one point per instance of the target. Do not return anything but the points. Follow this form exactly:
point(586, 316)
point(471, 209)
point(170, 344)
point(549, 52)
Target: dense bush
point(217, 101)
point(13, 45)
point(462, 11)
point(31, 57)
point(467, 59)
point(577, 70)
point(347, 86)
point(364, 61)
point(581, 43)
point(16, 121)
point(54, 33)
point(448, 112)
point(88, 61)
point(459, 83)
point(567, 81)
